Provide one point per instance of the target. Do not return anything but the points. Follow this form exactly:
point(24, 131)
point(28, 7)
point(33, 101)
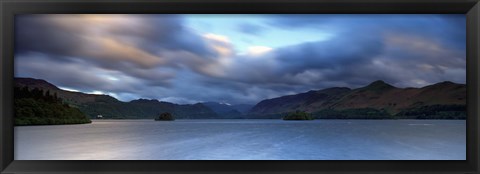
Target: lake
point(245, 140)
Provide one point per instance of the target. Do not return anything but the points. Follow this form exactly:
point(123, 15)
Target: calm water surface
point(245, 139)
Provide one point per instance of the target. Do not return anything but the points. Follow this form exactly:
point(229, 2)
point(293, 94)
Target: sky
point(237, 59)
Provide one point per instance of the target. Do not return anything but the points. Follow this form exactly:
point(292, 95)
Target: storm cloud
point(168, 58)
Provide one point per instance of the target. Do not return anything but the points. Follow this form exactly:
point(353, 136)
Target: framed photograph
point(227, 86)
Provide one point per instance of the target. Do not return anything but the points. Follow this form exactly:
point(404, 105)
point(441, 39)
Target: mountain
point(75, 98)
point(242, 108)
point(109, 107)
point(376, 100)
point(380, 95)
point(308, 101)
point(228, 111)
point(218, 107)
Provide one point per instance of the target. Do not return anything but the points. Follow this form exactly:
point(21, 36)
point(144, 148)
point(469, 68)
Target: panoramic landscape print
point(240, 87)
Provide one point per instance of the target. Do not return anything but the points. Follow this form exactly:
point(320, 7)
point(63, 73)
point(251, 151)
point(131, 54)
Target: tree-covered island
point(166, 116)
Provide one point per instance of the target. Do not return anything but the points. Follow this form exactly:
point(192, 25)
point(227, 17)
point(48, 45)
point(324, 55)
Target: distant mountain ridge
point(109, 107)
point(227, 110)
point(312, 98)
point(449, 98)
point(69, 96)
point(444, 100)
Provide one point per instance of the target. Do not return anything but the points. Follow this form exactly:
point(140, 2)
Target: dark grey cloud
point(158, 56)
point(62, 35)
point(36, 33)
point(449, 29)
point(403, 52)
point(343, 51)
point(283, 65)
point(356, 58)
point(132, 44)
point(168, 33)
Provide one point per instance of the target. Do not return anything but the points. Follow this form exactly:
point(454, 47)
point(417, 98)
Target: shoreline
point(280, 120)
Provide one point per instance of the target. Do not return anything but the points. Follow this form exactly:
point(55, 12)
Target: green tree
point(33, 107)
point(298, 115)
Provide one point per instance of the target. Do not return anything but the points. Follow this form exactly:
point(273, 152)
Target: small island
point(166, 116)
point(298, 115)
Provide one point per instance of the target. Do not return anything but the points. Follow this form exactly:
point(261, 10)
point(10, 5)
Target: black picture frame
point(9, 8)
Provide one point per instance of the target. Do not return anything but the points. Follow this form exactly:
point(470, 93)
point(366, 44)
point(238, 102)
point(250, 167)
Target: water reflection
point(245, 139)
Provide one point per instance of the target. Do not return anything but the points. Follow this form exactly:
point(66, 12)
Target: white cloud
point(179, 100)
point(68, 89)
point(221, 44)
point(217, 37)
point(256, 51)
point(97, 92)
